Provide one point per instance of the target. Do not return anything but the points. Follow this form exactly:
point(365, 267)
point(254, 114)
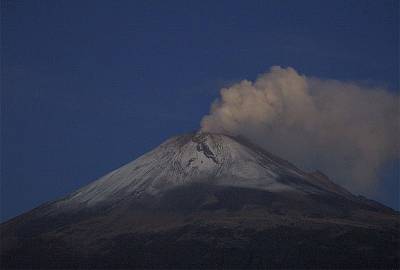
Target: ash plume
point(345, 129)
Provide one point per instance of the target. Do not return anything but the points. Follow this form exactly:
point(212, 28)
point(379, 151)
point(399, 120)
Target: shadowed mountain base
point(204, 226)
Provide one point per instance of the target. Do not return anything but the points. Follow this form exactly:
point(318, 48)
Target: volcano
point(210, 201)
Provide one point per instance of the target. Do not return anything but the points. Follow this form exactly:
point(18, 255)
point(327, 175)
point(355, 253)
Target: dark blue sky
point(87, 86)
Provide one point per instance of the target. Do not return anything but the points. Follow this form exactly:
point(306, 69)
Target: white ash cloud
point(344, 129)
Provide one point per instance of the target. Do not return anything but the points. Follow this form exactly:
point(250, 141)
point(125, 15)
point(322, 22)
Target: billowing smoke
point(344, 129)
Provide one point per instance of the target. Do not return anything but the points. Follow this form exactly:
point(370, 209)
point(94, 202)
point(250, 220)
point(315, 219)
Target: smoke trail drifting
point(342, 128)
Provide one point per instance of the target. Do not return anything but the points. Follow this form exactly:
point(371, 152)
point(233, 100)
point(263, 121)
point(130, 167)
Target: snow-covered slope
point(200, 157)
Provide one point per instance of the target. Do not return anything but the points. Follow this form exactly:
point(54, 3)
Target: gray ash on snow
point(196, 158)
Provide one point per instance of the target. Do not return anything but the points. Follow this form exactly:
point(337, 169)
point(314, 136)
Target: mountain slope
point(205, 201)
point(201, 157)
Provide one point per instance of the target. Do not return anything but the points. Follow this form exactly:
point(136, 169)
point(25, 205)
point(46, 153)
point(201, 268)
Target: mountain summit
point(201, 158)
point(205, 200)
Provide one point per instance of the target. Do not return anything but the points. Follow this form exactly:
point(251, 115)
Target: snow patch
point(190, 158)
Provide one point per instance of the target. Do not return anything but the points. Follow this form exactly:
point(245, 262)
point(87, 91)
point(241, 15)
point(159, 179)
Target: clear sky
point(87, 86)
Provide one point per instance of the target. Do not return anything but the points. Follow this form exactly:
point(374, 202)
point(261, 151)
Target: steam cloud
point(342, 128)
